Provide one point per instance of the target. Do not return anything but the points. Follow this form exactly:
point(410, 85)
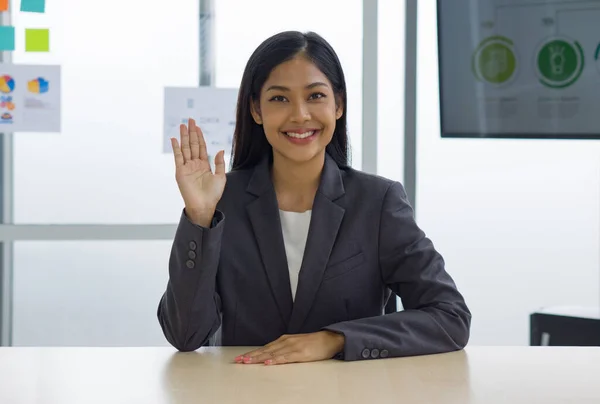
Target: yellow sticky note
point(37, 40)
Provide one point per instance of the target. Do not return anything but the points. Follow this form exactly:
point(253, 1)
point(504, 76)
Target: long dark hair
point(250, 144)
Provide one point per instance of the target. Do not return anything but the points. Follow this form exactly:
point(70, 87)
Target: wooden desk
point(160, 375)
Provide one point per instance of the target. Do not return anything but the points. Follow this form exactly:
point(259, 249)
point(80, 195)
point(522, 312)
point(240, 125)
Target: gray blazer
point(363, 244)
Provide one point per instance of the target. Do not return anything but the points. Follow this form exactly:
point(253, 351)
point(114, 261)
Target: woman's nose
point(300, 113)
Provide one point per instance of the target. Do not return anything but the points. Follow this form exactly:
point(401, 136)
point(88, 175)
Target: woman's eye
point(278, 98)
point(316, 96)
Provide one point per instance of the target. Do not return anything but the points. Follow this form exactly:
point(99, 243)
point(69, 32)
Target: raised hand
point(200, 188)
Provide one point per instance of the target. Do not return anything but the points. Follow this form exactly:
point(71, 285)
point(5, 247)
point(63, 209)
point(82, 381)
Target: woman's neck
point(296, 184)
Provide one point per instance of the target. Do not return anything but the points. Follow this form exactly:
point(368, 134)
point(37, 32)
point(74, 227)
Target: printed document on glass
point(212, 108)
point(30, 97)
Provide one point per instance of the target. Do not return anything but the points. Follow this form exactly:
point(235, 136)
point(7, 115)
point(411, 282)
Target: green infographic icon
point(494, 60)
point(559, 62)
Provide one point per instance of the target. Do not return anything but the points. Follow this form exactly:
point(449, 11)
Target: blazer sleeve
point(435, 318)
point(189, 311)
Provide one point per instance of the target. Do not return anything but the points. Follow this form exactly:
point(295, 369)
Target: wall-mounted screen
point(519, 68)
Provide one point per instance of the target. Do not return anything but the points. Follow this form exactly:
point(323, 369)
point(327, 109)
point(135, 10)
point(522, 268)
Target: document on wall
point(519, 68)
point(212, 108)
point(30, 97)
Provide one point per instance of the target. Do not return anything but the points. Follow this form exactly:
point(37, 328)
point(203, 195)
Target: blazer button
point(190, 264)
point(193, 245)
point(366, 353)
point(191, 254)
point(384, 353)
point(375, 353)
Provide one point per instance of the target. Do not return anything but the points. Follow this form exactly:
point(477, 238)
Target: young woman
point(293, 251)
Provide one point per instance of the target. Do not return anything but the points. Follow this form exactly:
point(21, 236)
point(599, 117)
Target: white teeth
point(300, 135)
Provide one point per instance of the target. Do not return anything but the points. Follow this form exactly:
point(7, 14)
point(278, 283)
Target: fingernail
point(268, 362)
point(239, 358)
point(247, 360)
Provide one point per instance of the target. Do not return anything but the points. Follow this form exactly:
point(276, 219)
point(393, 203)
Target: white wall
point(517, 220)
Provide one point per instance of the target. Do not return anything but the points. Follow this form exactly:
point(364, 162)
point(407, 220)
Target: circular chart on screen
point(495, 60)
point(559, 62)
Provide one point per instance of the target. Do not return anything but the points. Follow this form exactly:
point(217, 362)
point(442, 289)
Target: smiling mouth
point(303, 135)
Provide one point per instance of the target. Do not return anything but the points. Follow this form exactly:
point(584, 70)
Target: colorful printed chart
point(29, 98)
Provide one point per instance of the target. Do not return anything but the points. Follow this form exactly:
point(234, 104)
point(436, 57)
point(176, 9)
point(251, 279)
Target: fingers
point(273, 353)
point(197, 143)
point(285, 353)
point(248, 357)
point(250, 354)
point(202, 142)
point(284, 357)
point(254, 356)
point(177, 152)
point(220, 163)
point(262, 354)
point(185, 143)
point(194, 142)
point(193, 146)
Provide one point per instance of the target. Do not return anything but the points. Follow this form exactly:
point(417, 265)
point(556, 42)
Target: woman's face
point(297, 109)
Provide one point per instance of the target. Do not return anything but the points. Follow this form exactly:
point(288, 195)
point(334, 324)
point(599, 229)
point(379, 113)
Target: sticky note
point(7, 38)
point(3, 5)
point(33, 6)
point(37, 40)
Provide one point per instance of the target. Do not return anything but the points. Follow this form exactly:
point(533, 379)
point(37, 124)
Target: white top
point(294, 226)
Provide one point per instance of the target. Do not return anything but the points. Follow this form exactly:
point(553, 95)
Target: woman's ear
point(339, 108)
point(255, 111)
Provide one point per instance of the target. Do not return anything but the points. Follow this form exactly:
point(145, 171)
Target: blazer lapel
point(264, 216)
point(324, 225)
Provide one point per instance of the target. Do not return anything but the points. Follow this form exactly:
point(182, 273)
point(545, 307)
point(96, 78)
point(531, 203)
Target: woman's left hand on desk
point(311, 347)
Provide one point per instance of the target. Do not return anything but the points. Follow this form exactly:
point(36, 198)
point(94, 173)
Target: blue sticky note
point(33, 6)
point(7, 38)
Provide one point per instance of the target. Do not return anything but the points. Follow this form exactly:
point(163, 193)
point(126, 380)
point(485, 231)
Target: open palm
point(200, 188)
